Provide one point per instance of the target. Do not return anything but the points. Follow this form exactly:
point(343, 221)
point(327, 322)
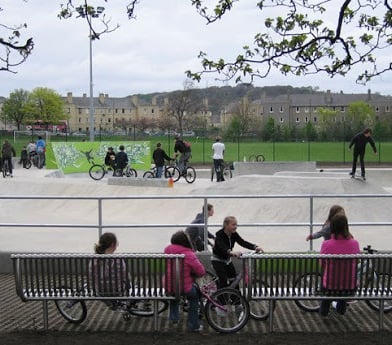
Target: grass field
point(336, 152)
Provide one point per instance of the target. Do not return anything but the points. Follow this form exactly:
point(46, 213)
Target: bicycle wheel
point(212, 173)
point(260, 309)
point(252, 158)
point(227, 311)
point(167, 172)
point(28, 164)
point(131, 173)
point(35, 160)
point(227, 174)
point(377, 281)
point(148, 174)
point(145, 308)
point(260, 158)
point(190, 175)
point(73, 311)
point(304, 282)
point(174, 173)
point(97, 172)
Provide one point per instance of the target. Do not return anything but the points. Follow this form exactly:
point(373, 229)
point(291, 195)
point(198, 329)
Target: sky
point(146, 55)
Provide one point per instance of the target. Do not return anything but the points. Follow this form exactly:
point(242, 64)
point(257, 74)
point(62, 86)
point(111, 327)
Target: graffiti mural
point(75, 157)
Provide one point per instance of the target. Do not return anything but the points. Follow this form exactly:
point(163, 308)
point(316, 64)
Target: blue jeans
point(183, 162)
point(159, 171)
point(193, 311)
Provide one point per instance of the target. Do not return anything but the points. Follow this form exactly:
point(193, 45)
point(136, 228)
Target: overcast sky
point(145, 55)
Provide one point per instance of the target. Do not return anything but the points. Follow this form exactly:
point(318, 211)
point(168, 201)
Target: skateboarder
point(359, 141)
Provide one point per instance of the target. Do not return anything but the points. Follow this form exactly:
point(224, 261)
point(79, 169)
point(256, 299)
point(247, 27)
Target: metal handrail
point(100, 225)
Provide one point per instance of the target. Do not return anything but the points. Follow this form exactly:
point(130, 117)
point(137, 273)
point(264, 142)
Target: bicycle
point(227, 171)
point(308, 279)
point(168, 171)
point(226, 310)
point(75, 311)
point(256, 158)
point(189, 173)
point(34, 159)
point(98, 171)
point(258, 309)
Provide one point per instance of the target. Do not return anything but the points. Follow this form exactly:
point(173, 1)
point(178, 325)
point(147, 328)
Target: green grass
point(336, 152)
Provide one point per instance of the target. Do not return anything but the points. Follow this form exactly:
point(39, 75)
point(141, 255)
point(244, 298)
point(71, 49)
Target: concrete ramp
point(270, 168)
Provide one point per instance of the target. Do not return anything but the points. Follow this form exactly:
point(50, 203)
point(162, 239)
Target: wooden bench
point(275, 277)
point(50, 277)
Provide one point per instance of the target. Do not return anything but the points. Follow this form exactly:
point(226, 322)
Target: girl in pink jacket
point(339, 275)
point(193, 268)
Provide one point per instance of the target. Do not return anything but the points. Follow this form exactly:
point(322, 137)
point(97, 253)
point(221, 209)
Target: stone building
point(300, 109)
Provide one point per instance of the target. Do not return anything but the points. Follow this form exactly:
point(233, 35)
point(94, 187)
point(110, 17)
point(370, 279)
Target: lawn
point(336, 152)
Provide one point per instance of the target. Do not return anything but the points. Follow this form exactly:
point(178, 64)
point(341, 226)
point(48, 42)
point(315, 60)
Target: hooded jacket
point(193, 268)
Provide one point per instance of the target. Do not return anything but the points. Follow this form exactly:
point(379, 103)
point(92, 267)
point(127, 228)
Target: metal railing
point(102, 225)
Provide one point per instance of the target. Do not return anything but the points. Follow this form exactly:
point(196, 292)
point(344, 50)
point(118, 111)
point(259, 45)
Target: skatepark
point(332, 185)
point(175, 206)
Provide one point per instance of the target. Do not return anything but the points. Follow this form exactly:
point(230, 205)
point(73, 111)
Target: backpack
point(187, 145)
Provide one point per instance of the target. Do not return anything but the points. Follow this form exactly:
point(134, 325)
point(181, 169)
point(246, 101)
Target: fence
point(271, 212)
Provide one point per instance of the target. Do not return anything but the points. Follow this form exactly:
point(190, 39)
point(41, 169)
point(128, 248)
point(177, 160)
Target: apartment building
point(300, 109)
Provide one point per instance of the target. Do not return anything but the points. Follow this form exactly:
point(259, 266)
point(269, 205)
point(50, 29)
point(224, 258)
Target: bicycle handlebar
point(369, 249)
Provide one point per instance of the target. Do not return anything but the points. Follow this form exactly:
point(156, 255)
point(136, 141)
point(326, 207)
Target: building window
point(281, 120)
point(271, 109)
point(306, 110)
point(315, 119)
point(152, 111)
point(122, 111)
point(297, 110)
point(342, 110)
point(79, 110)
point(281, 110)
point(297, 120)
point(377, 109)
point(79, 120)
point(306, 119)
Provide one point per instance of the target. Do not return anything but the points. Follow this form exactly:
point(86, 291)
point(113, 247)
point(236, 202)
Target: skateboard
point(358, 177)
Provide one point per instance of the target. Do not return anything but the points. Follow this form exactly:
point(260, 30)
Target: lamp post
point(90, 12)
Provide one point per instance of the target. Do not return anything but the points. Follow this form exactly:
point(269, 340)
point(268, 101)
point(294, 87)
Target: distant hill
point(220, 96)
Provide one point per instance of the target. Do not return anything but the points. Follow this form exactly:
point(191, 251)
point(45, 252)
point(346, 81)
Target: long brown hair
point(105, 241)
point(339, 226)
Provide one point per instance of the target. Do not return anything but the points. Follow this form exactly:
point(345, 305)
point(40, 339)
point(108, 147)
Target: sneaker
point(200, 329)
point(363, 177)
point(334, 304)
point(220, 312)
point(351, 173)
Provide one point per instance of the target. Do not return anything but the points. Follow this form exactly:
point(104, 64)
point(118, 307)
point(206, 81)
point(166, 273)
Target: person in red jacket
point(193, 268)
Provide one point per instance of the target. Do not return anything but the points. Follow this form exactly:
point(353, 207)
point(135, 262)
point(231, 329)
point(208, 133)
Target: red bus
point(39, 125)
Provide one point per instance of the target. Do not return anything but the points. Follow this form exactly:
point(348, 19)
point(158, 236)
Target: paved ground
point(288, 318)
point(333, 181)
point(290, 322)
